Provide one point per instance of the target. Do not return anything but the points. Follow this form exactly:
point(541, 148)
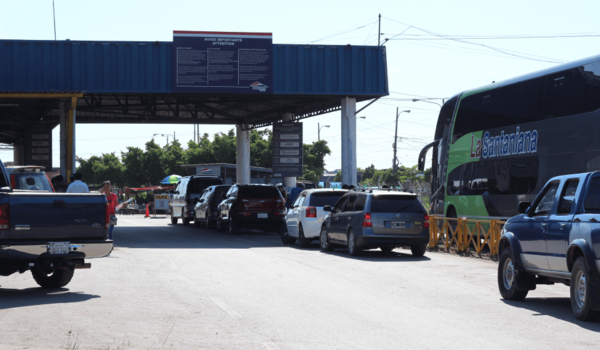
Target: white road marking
point(225, 307)
point(186, 280)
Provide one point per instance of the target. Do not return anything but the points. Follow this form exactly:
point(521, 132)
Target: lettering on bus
point(504, 144)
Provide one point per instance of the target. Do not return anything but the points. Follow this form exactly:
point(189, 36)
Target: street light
point(167, 136)
point(417, 100)
point(321, 127)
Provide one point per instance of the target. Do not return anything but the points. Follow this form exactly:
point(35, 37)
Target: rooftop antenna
point(54, 17)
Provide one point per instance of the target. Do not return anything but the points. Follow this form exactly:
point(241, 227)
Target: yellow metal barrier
point(463, 233)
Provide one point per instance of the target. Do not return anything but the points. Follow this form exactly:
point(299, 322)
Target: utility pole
point(379, 35)
point(395, 161)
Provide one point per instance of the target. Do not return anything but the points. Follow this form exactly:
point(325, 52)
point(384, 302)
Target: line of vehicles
point(335, 218)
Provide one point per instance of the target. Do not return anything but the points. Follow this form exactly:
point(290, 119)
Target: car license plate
point(58, 247)
point(263, 216)
point(399, 224)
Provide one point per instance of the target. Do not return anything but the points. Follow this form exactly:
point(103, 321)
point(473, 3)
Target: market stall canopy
point(171, 179)
point(149, 188)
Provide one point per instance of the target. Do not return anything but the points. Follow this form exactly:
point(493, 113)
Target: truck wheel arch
point(577, 248)
point(509, 241)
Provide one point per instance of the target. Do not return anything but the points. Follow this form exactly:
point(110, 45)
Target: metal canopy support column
point(242, 155)
point(289, 182)
point(63, 141)
point(349, 141)
point(71, 135)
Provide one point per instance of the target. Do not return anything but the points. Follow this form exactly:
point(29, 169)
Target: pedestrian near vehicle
point(112, 203)
point(78, 186)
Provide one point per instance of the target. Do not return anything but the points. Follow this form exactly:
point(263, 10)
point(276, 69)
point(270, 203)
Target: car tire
point(173, 220)
point(232, 227)
point(220, 225)
point(185, 221)
point(285, 236)
point(52, 278)
point(353, 249)
point(418, 250)
point(303, 242)
point(581, 291)
point(386, 250)
point(324, 241)
point(208, 224)
point(507, 277)
point(196, 222)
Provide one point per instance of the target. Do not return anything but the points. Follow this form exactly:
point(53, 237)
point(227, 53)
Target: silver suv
point(378, 219)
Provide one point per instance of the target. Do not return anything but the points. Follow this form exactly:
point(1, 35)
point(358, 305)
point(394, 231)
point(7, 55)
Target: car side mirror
point(201, 200)
point(523, 207)
point(327, 208)
point(224, 195)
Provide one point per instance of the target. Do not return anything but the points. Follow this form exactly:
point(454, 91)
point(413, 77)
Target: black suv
point(251, 206)
point(186, 194)
point(377, 219)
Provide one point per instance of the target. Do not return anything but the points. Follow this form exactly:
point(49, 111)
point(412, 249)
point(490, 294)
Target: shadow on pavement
point(190, 237)
point(559, 308)
point(15, 298)
point(379, 256)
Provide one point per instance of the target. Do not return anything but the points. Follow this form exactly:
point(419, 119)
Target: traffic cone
point(147, 212)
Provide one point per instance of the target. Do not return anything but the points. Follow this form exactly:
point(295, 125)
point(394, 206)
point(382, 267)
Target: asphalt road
point(176, 287)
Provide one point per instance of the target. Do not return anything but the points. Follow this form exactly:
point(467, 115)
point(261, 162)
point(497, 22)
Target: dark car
point(377, 219)
point(186, 194)
point(207, 208)
point(251, 206)
point(30, 177)
point(556, 240)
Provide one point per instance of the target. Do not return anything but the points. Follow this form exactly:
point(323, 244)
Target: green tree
point(261, 149)
point(86, 168)
point(133, 174)
point(200, 153)
point(172, 159)
point(109, 168)
point(151, 161)
point(224, 147)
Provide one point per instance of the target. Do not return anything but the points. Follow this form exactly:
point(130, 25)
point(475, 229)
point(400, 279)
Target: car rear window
point(199, 185)
point(321, 199)
point(32, 181)
point(218, 195)
point(396, 204)
point(259, 192)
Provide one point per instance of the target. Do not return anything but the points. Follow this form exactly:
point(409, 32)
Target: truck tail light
point(4, 217)
point(107, 216)
point(426, 223)
point(13, 181)
point(311, 212)
point(367, 220)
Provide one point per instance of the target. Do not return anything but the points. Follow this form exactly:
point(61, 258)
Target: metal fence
point(465, 234)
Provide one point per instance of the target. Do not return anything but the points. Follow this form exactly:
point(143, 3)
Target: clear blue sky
point(417, 68)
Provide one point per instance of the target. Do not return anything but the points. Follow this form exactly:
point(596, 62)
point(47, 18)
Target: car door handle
point(562, 226)
point(577, 220)
point(544, 224)
point(593, 220)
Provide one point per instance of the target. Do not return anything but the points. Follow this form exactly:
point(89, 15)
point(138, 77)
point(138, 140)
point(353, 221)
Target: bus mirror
point(523, 207)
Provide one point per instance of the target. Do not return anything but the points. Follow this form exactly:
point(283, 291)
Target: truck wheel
point(302, 241)
point(185, 221)
point(507, 277)
point(196, 222)
point(52, 278)
point(418, 250)
point(581, 291)
point(353, 249)
point(173, 220)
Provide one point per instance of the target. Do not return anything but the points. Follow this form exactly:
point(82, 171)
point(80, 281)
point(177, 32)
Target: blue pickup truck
point(50, 234)
point(556, 240)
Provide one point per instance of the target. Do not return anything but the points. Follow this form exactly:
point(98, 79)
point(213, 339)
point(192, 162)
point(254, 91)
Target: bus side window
point(587, 88)
point(454, 181)
point(559, 95)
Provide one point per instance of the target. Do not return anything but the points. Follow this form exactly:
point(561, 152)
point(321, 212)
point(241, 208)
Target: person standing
point(78, 186)
point(112, 204)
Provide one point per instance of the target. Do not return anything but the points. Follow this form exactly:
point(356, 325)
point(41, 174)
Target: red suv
point(251, 206)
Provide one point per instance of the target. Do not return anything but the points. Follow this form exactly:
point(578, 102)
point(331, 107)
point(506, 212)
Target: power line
point(495, 37)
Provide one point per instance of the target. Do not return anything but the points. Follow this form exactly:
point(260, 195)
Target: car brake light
point(107, 216)
point(13, 181)
point(311, 212)
point(4, 217)
point(426, 223)
point(367, 220)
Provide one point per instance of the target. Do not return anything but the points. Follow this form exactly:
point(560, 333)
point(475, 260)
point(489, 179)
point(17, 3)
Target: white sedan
point(304, 218)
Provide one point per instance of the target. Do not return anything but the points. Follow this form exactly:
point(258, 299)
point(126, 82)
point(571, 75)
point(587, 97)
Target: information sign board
point(287, 150)
point(222, 62)
point(161, 202)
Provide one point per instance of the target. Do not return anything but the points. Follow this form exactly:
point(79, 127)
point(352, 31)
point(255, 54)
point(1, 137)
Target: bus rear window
point(396, 204)
point(321, 199)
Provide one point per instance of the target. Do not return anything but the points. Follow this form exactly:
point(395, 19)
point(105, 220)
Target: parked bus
point(497, 145)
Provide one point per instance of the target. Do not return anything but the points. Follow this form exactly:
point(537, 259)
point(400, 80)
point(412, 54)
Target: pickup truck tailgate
point(57, 216)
